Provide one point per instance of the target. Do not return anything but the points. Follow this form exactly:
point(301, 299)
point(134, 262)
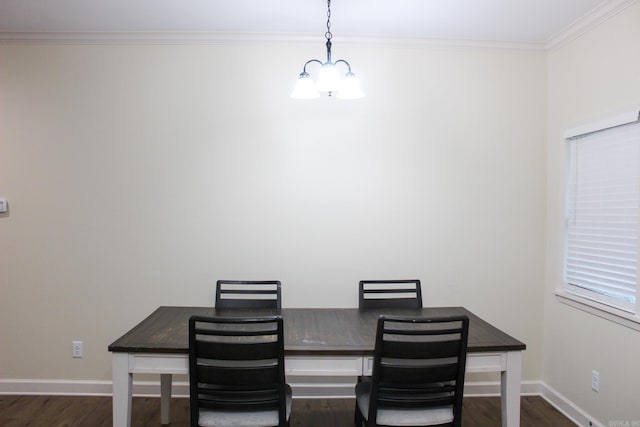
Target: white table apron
point(508, 363)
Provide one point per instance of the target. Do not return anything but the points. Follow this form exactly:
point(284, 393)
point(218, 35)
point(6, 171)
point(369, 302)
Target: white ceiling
point(521, 21)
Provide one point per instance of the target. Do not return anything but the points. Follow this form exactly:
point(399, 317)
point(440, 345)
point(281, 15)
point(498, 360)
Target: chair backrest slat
point(239, 351)
point(248, 294)
point(252, 378)
point(430, 349)
point(390, 294)
point(417, 376)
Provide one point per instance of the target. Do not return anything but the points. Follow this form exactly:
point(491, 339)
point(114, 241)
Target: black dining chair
point(236, 372)
point(390, 294)
point(248, 294)
point(418, 373)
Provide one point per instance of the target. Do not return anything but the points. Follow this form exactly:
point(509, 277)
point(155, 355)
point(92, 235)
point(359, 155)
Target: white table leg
point(510, 389)
point(122, 386)
point(165, 398)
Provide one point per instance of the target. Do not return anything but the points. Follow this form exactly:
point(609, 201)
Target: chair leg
point(357, 418)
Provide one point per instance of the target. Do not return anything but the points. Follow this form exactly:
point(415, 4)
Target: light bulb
point(304, 88)
point(328, 79)
point(350, 88)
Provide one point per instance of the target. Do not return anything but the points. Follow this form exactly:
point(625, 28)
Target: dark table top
point(308, 331)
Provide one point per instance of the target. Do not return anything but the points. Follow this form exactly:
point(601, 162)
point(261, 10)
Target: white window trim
point(620, 119)
point(581, 302)
point(596, 308)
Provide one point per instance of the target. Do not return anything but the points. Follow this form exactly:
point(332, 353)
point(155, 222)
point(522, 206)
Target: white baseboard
point(492, 388)
point(83, 388)
point(304, 388)
point(568, 408)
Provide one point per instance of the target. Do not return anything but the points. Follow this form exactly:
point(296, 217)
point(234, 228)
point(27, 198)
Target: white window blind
point(603, 208)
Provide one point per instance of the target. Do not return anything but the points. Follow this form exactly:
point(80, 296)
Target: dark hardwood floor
point(64, 411)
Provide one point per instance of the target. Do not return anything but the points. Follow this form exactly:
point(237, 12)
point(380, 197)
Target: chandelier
point(329, 79)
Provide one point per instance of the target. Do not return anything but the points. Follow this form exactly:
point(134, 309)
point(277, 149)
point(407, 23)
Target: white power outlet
point(77, 349)
point(595, 381)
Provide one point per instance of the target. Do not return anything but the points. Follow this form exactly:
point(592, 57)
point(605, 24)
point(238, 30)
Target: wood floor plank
point(74, 411)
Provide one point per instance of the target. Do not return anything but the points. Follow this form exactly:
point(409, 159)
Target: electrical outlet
point(77, 349)
point(595, 381)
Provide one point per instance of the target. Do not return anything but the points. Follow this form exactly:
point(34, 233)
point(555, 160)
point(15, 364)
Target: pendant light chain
point(328, 34)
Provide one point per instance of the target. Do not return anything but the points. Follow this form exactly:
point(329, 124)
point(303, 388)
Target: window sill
point(601, 310)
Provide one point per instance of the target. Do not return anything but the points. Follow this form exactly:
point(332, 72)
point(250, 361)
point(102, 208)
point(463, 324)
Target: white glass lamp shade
point(304, 88)
point(350, 88)
point(328, 79)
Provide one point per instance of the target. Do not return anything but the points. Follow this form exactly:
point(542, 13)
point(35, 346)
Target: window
point(603, 214)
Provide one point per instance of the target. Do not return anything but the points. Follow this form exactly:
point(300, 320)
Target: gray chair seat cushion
point(215, 418)
point(403, 416)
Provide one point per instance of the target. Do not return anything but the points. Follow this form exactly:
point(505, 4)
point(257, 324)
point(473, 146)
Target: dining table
point(319, 343)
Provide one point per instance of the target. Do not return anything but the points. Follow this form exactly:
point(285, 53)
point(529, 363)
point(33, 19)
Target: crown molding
point(137, 37)
point(229, 38)
point(606, 10)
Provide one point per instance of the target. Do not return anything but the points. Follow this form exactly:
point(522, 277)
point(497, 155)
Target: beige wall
point(595, 75)
point(138, 175)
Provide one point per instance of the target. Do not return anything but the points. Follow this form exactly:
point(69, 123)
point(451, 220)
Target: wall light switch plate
point(3, 206)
